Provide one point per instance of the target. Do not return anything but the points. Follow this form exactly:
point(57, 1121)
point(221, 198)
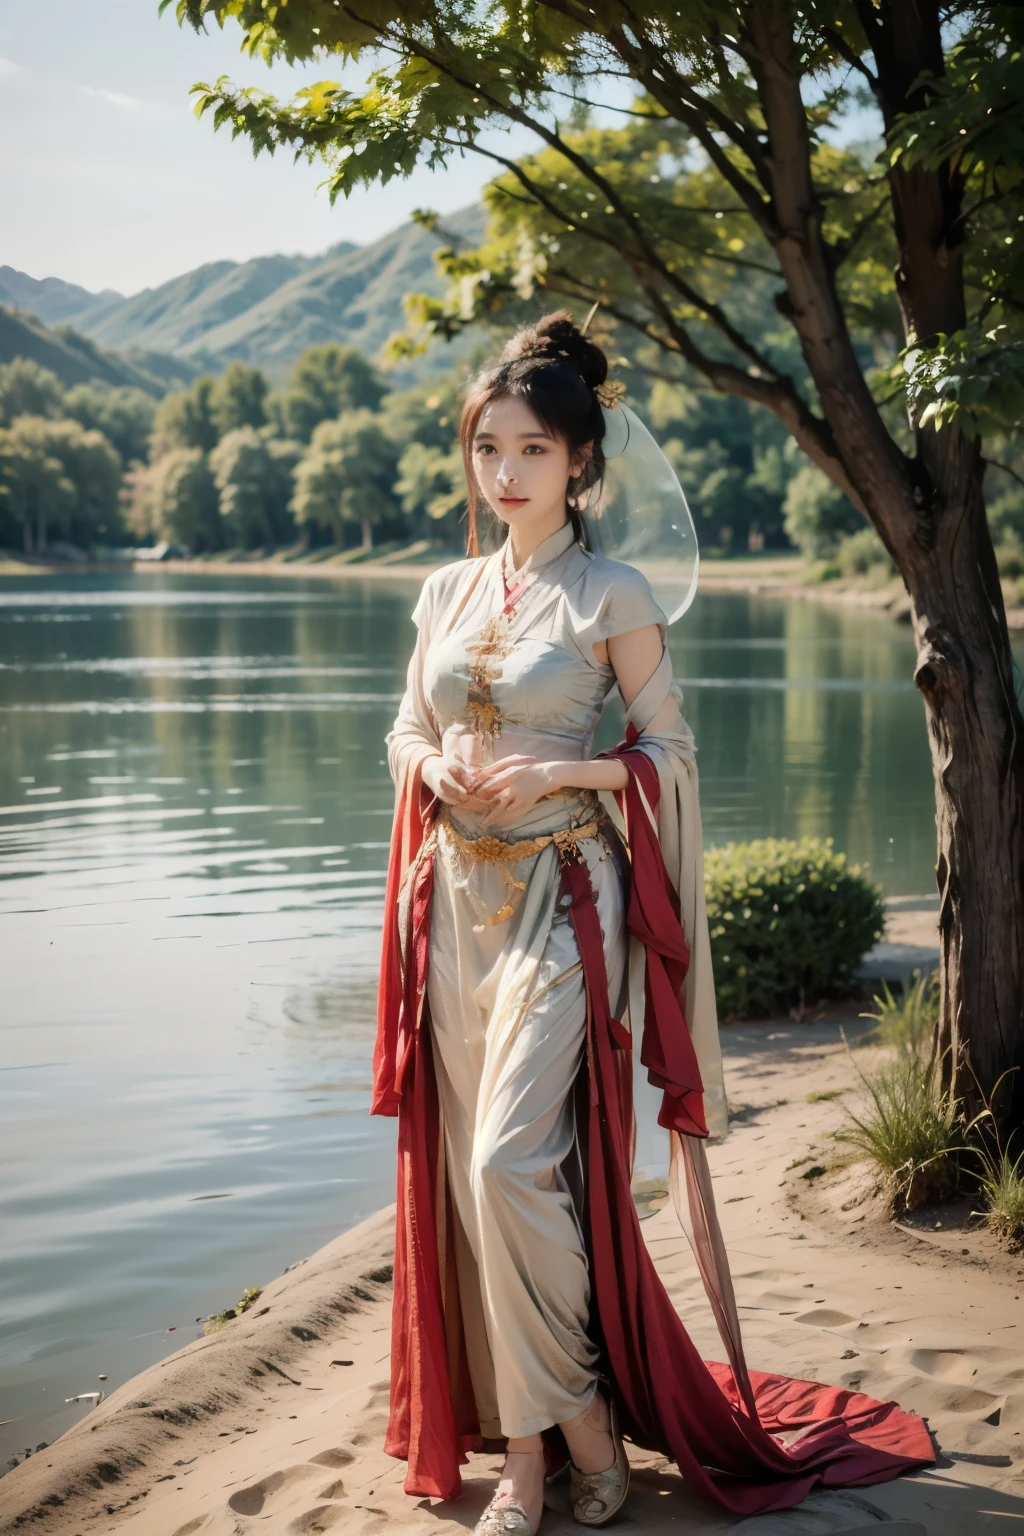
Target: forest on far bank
point(340, 459)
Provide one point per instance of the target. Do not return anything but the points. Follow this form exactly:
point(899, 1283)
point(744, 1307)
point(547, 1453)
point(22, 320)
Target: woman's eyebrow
point(489, 437)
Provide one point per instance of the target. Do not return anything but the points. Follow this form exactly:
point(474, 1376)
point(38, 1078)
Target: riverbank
point(785, 576)
point(280, 1417)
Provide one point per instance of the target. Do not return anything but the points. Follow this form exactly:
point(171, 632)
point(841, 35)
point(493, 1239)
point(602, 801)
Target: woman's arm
point(413, 739)
point(633, 657)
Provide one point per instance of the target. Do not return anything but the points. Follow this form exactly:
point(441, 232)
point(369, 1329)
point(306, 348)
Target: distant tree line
point(337, 458)
point(62, 453)
point(229, 463)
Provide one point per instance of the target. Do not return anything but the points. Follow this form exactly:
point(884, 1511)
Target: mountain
point(77, 359)
point(181, 314)
point(51, 299)
point(268, 310)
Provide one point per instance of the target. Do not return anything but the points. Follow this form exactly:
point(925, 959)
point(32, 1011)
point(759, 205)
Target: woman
point(524, 940)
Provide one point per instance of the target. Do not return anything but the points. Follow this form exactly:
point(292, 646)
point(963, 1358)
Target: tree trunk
point(367, 533)
point(41, 532)
point(964, 672)
point(964, 665)
point(929, 511)
point(26, 536)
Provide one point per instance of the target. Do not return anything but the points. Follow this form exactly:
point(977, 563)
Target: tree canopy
point(56, 479)
point(326, 380)
point(738, 178)
point(237, 399)
point(347, 476)
point(728, 181)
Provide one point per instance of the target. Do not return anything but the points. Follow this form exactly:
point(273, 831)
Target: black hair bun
point(556, 338)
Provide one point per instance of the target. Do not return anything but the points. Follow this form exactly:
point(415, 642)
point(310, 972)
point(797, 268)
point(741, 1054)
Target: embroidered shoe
point(597, 1497)
point(509, 1519)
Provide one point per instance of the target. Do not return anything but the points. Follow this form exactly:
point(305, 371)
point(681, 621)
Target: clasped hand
point(503, 791)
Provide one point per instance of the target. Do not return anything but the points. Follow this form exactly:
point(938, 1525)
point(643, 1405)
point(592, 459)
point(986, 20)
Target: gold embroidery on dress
point(588, 820)
point(485, 657)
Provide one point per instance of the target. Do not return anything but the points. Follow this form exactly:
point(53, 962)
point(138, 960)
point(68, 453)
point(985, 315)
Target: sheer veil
point(640, 513)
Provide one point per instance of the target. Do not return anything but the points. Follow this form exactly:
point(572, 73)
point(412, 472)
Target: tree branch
point(729, 261)
point(712, 312)
point(812, 303)
point(995, 464)
point(779, 396)
point(692, 117)
point(844, 247)
point(842, 47)
point(603, 106)
point(644, 60)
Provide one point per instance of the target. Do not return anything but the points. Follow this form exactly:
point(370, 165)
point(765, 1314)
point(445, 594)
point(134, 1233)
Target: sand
point(276, 1423)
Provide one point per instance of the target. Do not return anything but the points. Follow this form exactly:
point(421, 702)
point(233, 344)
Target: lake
point(194, 817)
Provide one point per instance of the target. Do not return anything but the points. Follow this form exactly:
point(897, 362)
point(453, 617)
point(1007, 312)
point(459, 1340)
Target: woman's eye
point(535, 448)
point(485, 448)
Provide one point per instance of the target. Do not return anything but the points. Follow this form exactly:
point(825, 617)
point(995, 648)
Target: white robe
point(505, 999)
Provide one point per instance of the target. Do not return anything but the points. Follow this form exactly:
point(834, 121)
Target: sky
point(108, 180)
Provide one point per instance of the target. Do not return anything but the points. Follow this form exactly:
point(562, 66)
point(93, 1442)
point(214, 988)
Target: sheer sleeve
point(414, 735)
point(613, 599)
point(629, 604)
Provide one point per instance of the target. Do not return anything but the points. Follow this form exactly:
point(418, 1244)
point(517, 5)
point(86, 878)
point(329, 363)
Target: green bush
point(1010, 558)
point(788, 921)
point(862, 553)
point(816, 514)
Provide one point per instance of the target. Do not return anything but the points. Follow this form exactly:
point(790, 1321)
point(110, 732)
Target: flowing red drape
point(671, 1400)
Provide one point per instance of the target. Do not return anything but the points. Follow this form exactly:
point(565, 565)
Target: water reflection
point(194, 813)
point(807, 722)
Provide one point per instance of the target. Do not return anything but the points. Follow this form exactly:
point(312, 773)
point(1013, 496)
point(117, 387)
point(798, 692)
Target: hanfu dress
point(524, 968)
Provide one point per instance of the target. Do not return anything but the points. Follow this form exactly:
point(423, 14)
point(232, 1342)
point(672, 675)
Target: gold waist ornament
point(496, 850)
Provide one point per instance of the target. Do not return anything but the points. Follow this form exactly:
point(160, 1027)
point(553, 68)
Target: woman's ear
point(582, 456)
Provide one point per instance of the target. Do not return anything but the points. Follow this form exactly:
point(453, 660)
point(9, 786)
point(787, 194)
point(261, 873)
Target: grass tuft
point(910, 1130)
point(908, 1023)
point(1002, 1184)
point(247, 1299)
point(909, 1127)
point(916, 1132)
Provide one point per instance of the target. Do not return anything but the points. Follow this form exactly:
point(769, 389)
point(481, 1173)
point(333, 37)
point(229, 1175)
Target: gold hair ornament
point(610, 393)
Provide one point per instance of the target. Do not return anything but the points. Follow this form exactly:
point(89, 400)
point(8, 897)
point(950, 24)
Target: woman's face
point(522, 471)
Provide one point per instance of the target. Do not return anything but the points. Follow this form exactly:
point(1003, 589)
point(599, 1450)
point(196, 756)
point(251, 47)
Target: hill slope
point(51, 299)
point(352, 296)
point(77, 359)
point(266, 311)
point(180, 314)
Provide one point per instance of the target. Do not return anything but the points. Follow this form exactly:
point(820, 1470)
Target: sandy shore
point(276, 1423)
